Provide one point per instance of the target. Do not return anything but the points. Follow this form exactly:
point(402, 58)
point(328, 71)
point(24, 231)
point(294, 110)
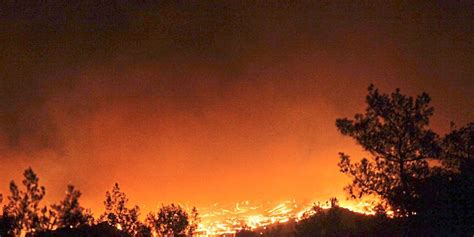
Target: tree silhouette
point(118, 214)
point(97, 230)
point(193, 222)
point(23, 206)
point(333, 202)
point(5, 222)
point(446, 199)
point(144, 231)
point(458, 149)
point(6, 226)
point(69, 213)
point(171, 220)
point(394, 130)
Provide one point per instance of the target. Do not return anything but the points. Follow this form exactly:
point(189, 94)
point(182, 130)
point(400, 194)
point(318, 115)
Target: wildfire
point(228, 219)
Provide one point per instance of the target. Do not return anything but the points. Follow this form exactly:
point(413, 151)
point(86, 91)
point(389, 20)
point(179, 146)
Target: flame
point(221, 219)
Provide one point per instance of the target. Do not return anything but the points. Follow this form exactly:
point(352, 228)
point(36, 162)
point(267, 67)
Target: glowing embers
point(227, 219)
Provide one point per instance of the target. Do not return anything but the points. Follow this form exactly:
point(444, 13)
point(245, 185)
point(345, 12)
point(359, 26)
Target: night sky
point(214, 102)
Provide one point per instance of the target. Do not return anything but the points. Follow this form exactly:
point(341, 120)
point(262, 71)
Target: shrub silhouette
point(68, 213)
point(171, 220)
point(117, 213)
point(23, 210)
point(98, 230)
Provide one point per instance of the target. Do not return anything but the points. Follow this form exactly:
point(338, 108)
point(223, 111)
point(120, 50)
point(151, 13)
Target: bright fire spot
point(228, 219)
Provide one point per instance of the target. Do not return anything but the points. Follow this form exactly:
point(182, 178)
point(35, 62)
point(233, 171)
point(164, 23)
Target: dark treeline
point(23, 215)
point(423, 182)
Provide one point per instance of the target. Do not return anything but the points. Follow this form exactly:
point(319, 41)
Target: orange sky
point(198, 106)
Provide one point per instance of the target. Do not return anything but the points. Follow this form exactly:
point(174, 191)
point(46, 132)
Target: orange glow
point(169, 155)
point(206, 105)
point(255, 144)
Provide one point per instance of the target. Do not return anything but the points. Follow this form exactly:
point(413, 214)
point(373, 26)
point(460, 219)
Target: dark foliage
point(69, 213)
point(23, 211)
point(6, 226)
point(394, 130)
point(99, 230)
point(23, 215)
point(118, 214)
point(172, 220)
point(426, 200)
point(446, 205)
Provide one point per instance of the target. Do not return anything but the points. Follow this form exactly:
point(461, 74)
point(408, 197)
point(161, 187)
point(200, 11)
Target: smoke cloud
point(197, 97)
